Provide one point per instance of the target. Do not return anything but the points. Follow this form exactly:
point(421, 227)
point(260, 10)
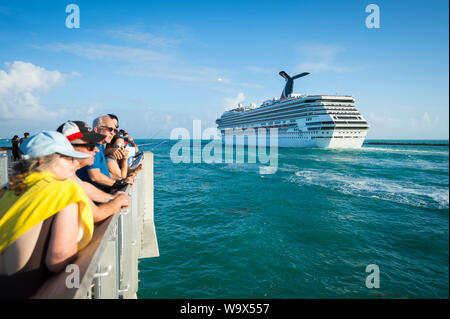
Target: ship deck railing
point(108, 267)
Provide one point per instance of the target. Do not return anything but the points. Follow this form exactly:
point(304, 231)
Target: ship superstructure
point(301, 120)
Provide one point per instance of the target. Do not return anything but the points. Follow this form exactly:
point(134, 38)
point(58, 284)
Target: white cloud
point(259, 70)
point(153, 55)
point(166, 37)
point(180, 73)
point(95, 51)
point(159, 123)
point(146, 38)
point(315, 66)
point(321, 52)
point(20, 85)
point(233, 102)
point(321, 58)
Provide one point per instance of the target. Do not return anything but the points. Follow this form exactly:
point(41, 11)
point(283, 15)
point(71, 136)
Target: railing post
point(106, 279)
point(149, 243)
point(3, 168)
point(125, 251)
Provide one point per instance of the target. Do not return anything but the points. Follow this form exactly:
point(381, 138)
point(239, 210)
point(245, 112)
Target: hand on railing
point(133, 172)
point(123, 199)
point(130, 180)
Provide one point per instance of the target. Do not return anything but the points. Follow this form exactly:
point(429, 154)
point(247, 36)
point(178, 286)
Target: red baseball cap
point(74, 130)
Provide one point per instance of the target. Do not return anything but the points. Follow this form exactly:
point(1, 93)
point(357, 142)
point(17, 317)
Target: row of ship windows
point(333, 127)
point(348, 117)
point(336, 122)
point(283, 112)
point(336, 109)
point(277, 110)
point(335, 116)
point(314, 137)
point(349, 104)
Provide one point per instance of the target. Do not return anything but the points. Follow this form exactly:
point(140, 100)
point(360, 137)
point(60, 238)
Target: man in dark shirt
point(15, 148)
point(25, 136)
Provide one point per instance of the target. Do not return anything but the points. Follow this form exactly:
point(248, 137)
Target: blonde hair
point(37, 164)
point(25, 167)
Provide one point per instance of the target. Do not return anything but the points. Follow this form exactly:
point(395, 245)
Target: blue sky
point(159, 65)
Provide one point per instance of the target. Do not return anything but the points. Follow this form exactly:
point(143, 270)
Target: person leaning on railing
point(129, 141)
point(98, 173)
point(45, 217)
point(85, 140)
point(117, 163)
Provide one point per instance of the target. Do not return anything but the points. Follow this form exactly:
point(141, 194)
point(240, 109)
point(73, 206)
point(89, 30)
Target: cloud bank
point(20, 86)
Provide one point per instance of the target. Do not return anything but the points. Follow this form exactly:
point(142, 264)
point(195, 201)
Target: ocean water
point(307, 231)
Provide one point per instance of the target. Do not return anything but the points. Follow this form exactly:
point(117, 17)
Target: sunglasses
point(89, 146)
point(69, 158)
point(110, 129)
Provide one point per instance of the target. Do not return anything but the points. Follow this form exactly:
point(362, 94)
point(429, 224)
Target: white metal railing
point(108, 266)
point(3, 168)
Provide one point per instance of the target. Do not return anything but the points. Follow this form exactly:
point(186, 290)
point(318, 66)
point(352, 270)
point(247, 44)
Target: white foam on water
point(441, 197)
point(238, 167)
point(264, 170)
point(418, 164)
point(396, 191)
point(402, 150)
point(306, 175)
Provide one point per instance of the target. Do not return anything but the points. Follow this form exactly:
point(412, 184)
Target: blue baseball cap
point(49, 142)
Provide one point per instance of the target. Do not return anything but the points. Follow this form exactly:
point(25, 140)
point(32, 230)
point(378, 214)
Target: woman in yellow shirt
point(45, 217)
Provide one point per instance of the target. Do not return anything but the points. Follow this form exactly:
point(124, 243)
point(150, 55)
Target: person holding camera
point(129, 141)
point(117, 160)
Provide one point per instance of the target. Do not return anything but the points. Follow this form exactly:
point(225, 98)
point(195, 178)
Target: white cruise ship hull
point(349, 140)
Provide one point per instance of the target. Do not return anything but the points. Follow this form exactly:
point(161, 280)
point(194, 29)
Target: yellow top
point(44, 197)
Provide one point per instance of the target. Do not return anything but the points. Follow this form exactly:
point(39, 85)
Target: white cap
point(49, 142)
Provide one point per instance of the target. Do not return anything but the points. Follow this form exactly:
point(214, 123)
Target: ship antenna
point(289, 87)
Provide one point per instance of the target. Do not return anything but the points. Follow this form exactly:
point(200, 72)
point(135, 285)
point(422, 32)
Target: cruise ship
point(325, 121)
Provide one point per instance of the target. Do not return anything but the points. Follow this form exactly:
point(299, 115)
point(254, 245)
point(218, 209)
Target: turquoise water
point(307, 231)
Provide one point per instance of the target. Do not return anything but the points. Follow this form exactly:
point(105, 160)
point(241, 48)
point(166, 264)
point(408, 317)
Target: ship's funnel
point(288, 88)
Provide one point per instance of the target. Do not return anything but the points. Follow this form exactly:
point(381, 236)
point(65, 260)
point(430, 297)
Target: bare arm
point(103, 211)
point(131, 141)
point(63, 245)
point(96, 176)
point(92, 192)
point(114, 169)
point(123, 167)
point(109, 207)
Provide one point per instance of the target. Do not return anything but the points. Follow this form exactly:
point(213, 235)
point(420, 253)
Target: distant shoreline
point(368, 142)
point(397, 143)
